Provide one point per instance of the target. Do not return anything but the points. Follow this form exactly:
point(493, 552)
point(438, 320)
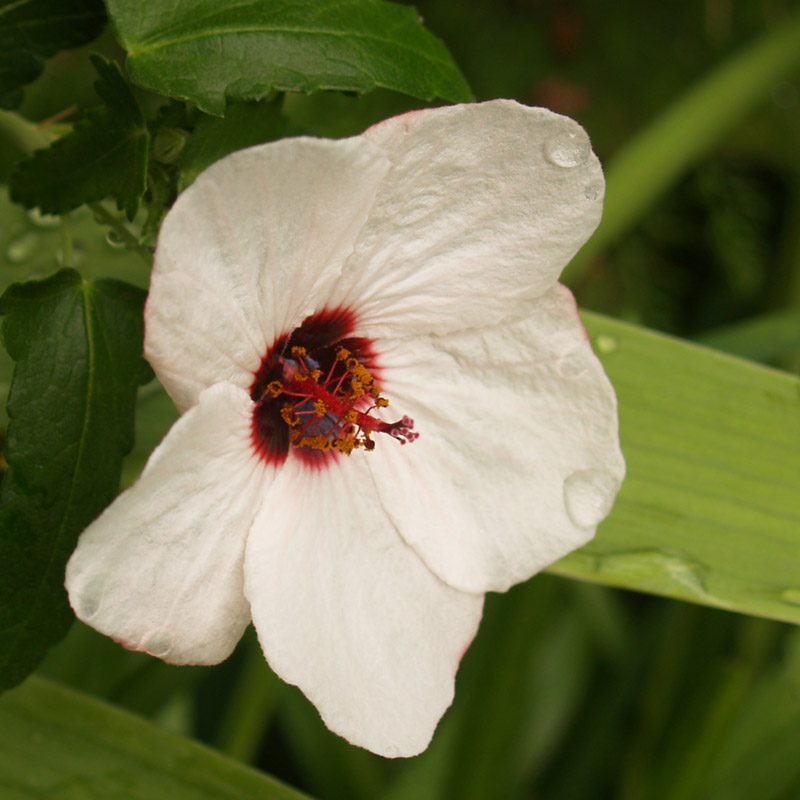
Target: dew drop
point(593, 190)
point(574, 364)
point(605, 343)
point(88, 602)
point(22, 249)
point(157, 644)
point(78, 255)
point(43, 220)
point(589, 495)
point(568, 149)
point(791, 596)
point(114, 239)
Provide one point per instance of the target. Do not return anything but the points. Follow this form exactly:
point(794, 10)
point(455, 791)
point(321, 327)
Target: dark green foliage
point(104, 156)
point(77, 346)
point(33, 30)
point(209, 52)
point(243, 125)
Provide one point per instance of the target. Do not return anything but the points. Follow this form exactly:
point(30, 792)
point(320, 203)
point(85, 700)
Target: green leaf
point(77, 347)
point(654, 160)
point(710, 509)
point(57, 743)
point(243, 125)
point(32, 30)
point(207, 52)
point(104, 156)
point(767, 337)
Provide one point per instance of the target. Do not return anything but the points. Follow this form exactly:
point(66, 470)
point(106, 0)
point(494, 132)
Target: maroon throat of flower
point(315, 393)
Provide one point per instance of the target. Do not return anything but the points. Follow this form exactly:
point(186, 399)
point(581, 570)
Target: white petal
point(348, 612)
point(483, 208)
point(161, 569)
point(248, 251)
point(518, 456)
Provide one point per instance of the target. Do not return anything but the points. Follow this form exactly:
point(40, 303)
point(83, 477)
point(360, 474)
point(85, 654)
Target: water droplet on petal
point(589, 495)
point(22, 249)
point(569, 149)
point(593, 190)
point(574, 364)
point(88, 602)
point(605, 343)
point(157, 644)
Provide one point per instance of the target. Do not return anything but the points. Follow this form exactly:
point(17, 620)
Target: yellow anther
point(342, 354)
point(320, 408)
point(274, 388)
point(288, 417)
point(381, 402)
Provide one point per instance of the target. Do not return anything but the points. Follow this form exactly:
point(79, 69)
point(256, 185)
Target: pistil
point(318, 394)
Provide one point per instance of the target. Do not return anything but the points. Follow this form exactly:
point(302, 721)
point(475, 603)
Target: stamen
point(324, 414)
point(316, 392)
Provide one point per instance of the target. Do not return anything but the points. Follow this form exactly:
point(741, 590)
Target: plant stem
point(68, 254)
point(104, 216)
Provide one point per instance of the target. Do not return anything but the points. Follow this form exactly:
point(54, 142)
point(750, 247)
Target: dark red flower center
point(316, 393)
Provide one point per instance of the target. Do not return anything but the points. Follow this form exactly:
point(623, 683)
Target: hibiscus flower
point(390, 407)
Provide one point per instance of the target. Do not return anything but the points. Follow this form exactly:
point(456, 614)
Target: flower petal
point(161, 569)
point(518, 456)
point(248, 251)
point(483, 208)
point(348, 612)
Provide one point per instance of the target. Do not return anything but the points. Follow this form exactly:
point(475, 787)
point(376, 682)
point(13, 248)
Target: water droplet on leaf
point(605, 343)
point(568, 149)
point(114, 239)
point(791, 596)
point(44, 220)
point(22, 249)
point(589, 495)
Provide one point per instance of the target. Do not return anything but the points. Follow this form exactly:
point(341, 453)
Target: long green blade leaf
point(710, 510)
point(56, 743)
point(678, 138)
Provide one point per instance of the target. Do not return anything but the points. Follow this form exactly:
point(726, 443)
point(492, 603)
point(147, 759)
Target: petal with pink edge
point(248, 251)
point(518, 456)
point(345, 610)
point(483, 208)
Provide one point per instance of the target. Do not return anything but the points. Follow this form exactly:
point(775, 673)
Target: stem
point(68, 259)
point(669, 146)
point(249, 710)
point(104, 216)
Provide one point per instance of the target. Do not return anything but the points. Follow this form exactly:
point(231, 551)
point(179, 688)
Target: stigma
point(316, 394)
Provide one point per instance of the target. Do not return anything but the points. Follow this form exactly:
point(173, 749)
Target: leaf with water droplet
point(710, 508)
point(77, 346)
point(104, 156)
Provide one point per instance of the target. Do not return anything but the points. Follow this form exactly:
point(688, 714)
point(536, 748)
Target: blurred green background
point(570, 690)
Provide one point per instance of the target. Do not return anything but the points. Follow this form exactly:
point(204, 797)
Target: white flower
point(290, 281)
